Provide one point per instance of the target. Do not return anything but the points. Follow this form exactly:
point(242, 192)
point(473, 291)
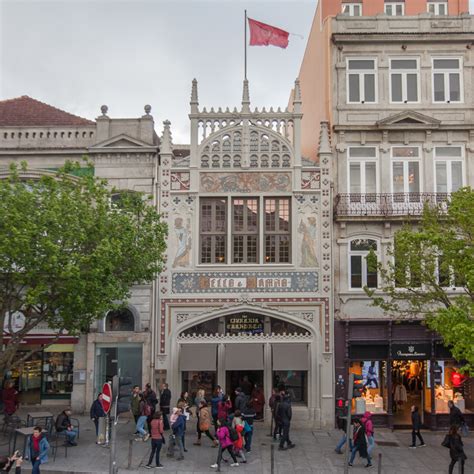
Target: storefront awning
point(244, 356)
point(43, 339)
point(290, 356)
point(197, 357)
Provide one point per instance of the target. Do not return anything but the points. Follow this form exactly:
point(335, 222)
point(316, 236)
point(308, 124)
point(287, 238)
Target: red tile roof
point(24, 112)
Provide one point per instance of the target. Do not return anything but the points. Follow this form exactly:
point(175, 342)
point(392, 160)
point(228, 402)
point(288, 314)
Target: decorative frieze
point(245, 182)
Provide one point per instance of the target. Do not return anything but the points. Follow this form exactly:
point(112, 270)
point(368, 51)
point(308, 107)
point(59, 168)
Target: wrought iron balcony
point(387, 204)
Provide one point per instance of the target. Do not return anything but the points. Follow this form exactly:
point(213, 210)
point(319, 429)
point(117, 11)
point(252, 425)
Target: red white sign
point(106, 397)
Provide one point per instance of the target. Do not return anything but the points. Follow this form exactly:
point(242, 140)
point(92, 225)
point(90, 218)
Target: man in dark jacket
point(248, 415)
point(456, 417)
point(150, 397)
point(284, 414)
point(165, 401)
point(415, 428)
point(359, 443)
point(97, 411)
point(241, 400)
point(63, 424)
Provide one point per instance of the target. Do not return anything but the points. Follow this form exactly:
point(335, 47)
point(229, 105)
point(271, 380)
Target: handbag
point(446, 442)
point(204, 426)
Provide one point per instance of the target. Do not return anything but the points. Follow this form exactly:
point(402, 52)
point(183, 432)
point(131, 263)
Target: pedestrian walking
point(37, 449)
point(145, 412)
point(10, 398)
point(258, 402)
point(240, 402)
point(456, 418)
point(178, 428)
point(248, 415)
point(454, 442)
point(277, 427)
point(285, 414)
point(341, 421)
point(224, 407)
point(165, 402)
point(172, 438)
point(184, 402)
point(238, 424)
point(204, 424)
point(157, 440)
point(225, 444)
point(416, 427)
point(96, 412)
point(359, 444)
point(216, 398)
point(366, 421)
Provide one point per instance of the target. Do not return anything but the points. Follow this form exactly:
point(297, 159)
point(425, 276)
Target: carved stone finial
point(104, 109)
point(194, 92)
point(166, 139)
point(297, 95)
point(246, 97)
point(147, 109)
point(324, 139)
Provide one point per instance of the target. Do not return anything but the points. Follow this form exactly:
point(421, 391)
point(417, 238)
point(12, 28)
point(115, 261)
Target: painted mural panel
point(245, 182)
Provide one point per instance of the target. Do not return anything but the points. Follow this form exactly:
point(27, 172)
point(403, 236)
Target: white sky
point(80, 54)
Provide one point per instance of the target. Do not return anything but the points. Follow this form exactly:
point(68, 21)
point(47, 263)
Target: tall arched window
point(362, 271)
point(120, 320)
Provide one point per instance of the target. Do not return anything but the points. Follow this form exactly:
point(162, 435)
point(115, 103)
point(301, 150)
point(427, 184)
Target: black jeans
point(166, 423)
point(207, 433)
point(156, 445)
point(414, 435)
point(277, 429)
point(220, 452)
point(453, 462)
point(286, 435)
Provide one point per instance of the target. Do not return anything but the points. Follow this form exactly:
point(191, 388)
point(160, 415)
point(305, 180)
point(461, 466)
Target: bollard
point(272, 458)
point(130, 452)
point(379, 467)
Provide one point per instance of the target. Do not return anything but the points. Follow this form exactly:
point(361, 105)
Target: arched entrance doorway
point(246, 349)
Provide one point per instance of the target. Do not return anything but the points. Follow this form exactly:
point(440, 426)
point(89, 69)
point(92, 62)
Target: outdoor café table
point(25, 432)
point(31, 418)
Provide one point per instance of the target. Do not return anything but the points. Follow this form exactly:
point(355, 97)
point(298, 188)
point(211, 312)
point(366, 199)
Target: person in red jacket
point(223, 409)
point(258, 402)
point(10, 399)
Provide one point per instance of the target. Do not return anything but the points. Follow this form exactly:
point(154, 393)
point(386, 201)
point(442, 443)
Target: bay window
point(277, 230)
point(213, 230)
point(245, 230)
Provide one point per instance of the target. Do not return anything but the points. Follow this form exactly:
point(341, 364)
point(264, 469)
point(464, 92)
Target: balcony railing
point(387, 205)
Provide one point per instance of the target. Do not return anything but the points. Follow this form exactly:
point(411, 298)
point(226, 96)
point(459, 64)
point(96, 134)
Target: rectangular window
point(352, 9)
point(363, 266)
point(437, 8)
point(447, 82)
point(245, 230)
point(277, 230)
point(395, 8)
point(406, 173)
point(213, 230)
point(449, 166)
point(361, 81)
point(404, 80)
point(362, 170)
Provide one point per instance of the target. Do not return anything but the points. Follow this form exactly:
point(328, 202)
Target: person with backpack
point(225, 444)
point(359, 444)
point(415, 428)
point(285, 414)
point(366, 421)
point(144, 412)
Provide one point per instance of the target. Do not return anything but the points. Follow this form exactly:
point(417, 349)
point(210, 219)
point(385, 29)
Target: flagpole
point(245, 45)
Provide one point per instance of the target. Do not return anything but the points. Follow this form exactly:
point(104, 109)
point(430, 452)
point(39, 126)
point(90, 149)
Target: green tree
point(430, 274)
point(69, 251)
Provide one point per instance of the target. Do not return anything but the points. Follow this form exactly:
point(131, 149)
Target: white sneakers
point(234, 464)
point(215, 466)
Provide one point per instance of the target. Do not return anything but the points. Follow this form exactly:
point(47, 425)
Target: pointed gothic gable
point(409, 117)
point(122, 141)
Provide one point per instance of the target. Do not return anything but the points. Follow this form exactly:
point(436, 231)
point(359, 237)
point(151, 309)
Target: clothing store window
point(363, 271)
point(375, 396)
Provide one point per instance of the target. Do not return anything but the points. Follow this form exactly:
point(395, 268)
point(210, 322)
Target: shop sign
point(244, 324)
point(15, 320)
point(409, 350)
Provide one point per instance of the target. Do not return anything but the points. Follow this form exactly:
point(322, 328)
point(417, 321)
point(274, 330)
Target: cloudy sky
point(80, 54)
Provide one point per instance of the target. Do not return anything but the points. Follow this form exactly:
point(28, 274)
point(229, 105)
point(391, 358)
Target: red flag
point(264, 35)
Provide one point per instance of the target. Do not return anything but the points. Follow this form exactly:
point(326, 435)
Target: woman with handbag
point(454, 442)
point(157, 439)
point(204, 423)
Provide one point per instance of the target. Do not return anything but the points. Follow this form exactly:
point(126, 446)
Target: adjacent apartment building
point(394, 81)
point(125, 152)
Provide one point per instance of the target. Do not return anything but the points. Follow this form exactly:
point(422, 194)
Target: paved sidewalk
point(314, 453)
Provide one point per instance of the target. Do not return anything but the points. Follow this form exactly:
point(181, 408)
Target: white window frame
point(436, 8)
point(352, 8)
point(405, 161)
point(446, 73)
point(363, 254)
point(362, 73)
point(362, 161)
point(449, 159)
point(404, 73)
point(393, 6)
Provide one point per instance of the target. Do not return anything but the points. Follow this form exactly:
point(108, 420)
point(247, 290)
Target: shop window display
point(374, 399)
point(57, 373)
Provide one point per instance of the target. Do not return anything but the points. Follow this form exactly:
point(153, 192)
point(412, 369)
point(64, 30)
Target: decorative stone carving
point(310, 179)
point(244, 337)
point(180, 180)
point(245, 182)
